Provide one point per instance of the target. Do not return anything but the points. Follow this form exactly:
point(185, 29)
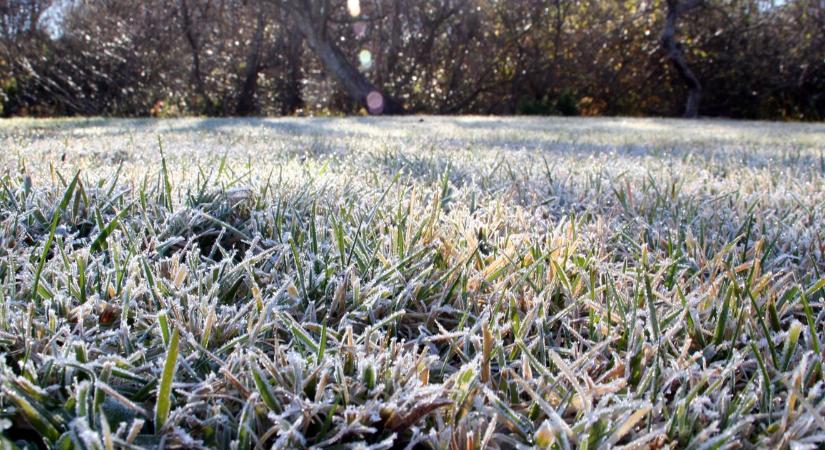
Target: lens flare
point(354, 7)
point(375, 102)
point(365, 58)
point(359, 28)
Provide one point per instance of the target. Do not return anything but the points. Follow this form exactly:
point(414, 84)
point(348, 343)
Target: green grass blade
point(67, 195)
point(164, 401)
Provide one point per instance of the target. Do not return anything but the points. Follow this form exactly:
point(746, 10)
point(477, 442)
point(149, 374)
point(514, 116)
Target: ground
point(415, 282)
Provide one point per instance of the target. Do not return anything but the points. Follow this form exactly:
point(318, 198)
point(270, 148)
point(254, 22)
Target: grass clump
point(359, 283)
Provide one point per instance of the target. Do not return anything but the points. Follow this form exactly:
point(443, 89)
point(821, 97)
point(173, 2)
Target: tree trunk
point(291, 99)
point(357, 86)
point(194, 48)
point(391, 60)
point(674, 53)
point(246, 99)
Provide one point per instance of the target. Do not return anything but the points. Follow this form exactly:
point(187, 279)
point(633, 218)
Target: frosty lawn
point(413, 282)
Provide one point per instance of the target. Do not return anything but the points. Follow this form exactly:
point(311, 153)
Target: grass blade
point(67, 196)
point(164, 401)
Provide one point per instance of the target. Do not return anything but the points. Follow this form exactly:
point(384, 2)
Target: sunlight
point(354, 7)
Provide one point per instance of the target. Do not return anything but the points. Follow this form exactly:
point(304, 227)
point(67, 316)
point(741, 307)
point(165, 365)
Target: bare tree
point(249, 84)
point(194, 42)
point(673, 49)
point(288, 56)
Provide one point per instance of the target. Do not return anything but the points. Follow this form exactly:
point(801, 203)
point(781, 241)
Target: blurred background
point(723, 58)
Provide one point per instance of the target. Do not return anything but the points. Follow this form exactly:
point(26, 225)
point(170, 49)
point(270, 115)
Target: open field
point(412, 283)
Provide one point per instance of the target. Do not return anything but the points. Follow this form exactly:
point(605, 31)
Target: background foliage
point(754, 58)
